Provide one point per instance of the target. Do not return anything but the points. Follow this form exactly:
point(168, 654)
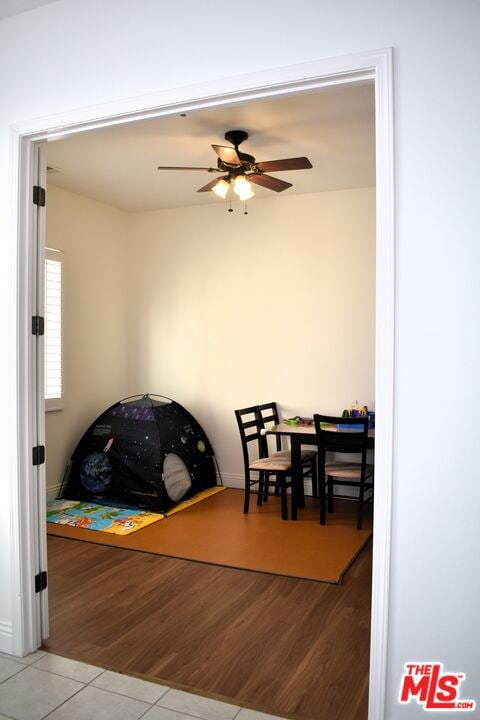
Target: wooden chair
point(261, 468)
point(353, 474)
point(270, 416)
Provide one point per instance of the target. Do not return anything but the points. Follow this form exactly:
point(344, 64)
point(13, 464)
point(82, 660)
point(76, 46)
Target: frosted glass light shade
point(221, 188)
point(243, 188)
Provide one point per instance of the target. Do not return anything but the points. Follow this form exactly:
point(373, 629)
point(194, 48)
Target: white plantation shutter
point(53, 330)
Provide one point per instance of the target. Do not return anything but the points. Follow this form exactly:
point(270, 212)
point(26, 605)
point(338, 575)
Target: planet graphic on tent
point(96, 472)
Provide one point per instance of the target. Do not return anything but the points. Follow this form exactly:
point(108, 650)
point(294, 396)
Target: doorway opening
point(383, 334)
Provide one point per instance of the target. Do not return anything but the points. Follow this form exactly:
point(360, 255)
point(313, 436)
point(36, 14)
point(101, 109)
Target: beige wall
point(92, 236)
point(230, 310)
point(216, 310)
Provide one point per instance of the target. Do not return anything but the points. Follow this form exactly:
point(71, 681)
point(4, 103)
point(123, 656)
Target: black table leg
point(297, 475)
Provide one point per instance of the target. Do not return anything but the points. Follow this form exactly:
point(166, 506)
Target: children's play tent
point(146, 451)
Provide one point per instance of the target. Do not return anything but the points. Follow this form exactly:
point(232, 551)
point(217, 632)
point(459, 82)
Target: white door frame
point(289, 80)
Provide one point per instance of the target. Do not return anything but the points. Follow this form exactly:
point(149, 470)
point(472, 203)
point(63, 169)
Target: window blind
point(53, 331)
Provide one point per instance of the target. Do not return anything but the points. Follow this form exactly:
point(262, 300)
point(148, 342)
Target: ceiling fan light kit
point(243, 169)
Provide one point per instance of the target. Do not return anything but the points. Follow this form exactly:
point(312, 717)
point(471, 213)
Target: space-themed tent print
point(147, 452)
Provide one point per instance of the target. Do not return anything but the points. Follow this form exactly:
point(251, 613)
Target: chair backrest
point(250, 425)
point(269, 416)
point(347, 440)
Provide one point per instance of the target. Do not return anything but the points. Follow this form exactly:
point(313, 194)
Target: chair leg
point(301, 494)
point(283, 492)
point(330, 494)
point(261, 486)
point(294, 503)
point(322, 494)
point(246, 500)
point(265, 492)
point(360, 507)
point(314, 477)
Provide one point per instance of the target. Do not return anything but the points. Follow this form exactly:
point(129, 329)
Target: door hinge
point(39, 454)
point(39, 195)
point(38, 325)
point(41, 581)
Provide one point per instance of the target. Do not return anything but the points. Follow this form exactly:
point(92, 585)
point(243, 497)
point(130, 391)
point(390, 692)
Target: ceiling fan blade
point(269, 182)
point(211, 184)
point(299, 163)
point(167, 167)
point(228, 154)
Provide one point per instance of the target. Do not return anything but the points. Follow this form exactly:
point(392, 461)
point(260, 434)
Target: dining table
point(303, 433)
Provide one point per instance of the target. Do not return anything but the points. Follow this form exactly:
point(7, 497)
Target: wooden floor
point(282, 645)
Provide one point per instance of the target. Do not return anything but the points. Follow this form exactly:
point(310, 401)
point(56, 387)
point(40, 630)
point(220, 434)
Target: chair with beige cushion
point(262, 468)
point(332, 438)
point(270, 416)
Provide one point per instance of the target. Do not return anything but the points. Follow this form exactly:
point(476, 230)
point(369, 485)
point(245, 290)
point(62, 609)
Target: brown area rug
point(216, 531)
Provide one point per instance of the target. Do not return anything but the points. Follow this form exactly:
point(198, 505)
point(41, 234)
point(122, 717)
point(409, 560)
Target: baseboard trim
point(53, 491)
point(6, 637)
point(235, 480)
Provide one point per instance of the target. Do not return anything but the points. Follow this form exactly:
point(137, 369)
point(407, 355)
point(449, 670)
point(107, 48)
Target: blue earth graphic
point(96, 472)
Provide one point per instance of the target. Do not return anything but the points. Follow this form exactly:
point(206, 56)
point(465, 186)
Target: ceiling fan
point(242, 169)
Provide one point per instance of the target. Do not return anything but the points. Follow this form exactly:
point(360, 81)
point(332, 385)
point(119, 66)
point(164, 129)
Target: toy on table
point(356, 410)
point(297, 420)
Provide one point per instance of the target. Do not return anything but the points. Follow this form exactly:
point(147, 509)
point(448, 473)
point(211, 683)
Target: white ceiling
point(8, 8)
point(334, 128)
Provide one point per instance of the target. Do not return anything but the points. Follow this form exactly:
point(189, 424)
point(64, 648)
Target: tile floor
point(43, 685)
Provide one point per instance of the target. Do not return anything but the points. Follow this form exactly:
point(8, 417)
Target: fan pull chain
point(245, 212)
point(230, 209)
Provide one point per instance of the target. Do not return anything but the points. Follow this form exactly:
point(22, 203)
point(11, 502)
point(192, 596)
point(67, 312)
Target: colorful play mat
point(120, 521)
point(110, 519)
